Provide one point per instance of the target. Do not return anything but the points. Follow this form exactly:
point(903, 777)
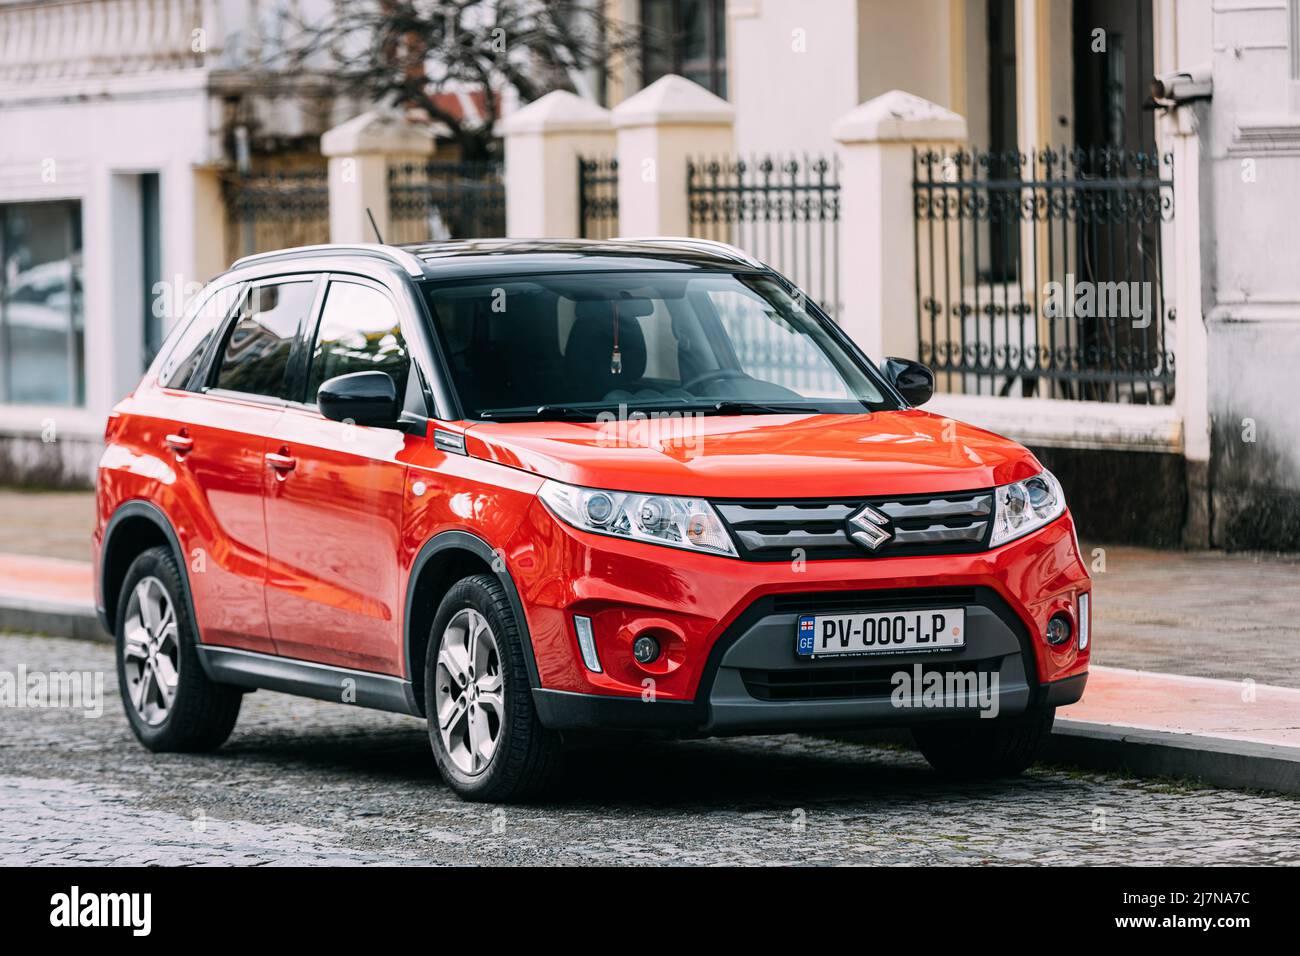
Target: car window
point(771, 348)
point(182, 359)
point(646, 340)
point(256, 354)
point(359, 332)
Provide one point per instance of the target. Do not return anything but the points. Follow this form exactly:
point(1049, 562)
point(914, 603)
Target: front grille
point(840, 682)
point(769, 530)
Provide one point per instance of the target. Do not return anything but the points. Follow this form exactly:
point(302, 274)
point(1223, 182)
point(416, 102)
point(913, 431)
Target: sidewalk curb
point(1231, 764)
point(1235, 764)
point(57, 618)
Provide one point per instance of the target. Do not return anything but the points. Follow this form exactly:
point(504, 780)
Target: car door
point(334, 505)
point(219, 440)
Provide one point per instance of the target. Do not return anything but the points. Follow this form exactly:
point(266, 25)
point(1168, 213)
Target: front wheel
point(170, 702)
point(486, 736)
point(985, 747)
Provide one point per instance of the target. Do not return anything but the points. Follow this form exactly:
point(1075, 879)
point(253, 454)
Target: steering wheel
point(713, 375)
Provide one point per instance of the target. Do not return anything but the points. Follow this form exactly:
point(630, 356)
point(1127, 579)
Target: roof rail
point(711, 245)
point(412, 265)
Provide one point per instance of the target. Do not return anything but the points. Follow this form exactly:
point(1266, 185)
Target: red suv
point(528, 490)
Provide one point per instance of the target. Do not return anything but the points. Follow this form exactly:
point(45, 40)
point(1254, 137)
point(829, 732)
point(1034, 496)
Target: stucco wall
point(1251, 133)
point(791, 73)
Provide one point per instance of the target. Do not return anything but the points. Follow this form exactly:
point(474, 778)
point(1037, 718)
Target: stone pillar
point(877, 219)
point(1190, 344)
point(659, 129)
point(358, 152)
point(543, 143)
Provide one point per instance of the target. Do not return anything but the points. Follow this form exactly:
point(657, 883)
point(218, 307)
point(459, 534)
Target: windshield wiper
point(730, 407)
point(542, 413)
point(587, 413)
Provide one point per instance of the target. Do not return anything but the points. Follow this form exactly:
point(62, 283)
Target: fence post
point(543, 143)
point(659, 128)
point(358, 152)
point(877, 216)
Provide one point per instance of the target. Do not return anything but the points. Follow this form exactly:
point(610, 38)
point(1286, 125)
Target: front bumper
point(562, 710)
point(728, 631)
point(755, 683)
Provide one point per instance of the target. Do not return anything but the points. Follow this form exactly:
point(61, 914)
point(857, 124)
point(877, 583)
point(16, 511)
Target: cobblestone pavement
point(313, 783)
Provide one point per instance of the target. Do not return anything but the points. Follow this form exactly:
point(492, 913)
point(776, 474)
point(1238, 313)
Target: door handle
point(281, 462)
point(180, 444)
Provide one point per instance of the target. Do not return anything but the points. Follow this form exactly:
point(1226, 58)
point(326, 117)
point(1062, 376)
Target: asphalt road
point(302, 782)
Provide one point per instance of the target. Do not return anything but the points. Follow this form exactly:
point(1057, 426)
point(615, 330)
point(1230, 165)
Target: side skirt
point(228, 665)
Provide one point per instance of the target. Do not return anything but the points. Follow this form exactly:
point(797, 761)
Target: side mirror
point(367, 398)
point(914, 381)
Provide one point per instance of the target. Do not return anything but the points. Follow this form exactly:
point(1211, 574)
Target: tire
point(977, 747)
point(201, 713)
point(492, 693)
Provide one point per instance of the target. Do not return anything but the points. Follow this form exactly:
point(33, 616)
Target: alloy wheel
point(469, 693)
point(151, 651)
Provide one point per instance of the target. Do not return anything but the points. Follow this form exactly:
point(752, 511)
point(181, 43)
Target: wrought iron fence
point(784, 211)
point(445, 200)
point(266, 211)
point(597, 197)
point(1044, 274)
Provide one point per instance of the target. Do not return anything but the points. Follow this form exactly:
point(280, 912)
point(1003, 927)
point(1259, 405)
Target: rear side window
point(183, 359)
point(359, 332)
point(255, 358)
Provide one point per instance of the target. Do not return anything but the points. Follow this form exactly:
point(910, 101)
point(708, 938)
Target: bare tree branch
point(409, 52)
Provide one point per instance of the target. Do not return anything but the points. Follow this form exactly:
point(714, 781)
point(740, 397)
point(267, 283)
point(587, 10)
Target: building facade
point(1076, 77)
point(122, 124)
point(1171, 421)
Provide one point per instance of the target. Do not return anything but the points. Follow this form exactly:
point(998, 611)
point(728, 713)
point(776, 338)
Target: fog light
point(1058, 629)
point(586, 642)
point(1085, 620)
point(645, 649)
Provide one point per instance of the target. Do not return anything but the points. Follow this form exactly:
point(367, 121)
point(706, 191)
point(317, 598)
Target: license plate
point(828, 635)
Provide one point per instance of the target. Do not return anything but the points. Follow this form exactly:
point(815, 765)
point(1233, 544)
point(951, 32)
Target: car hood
point(761, 456)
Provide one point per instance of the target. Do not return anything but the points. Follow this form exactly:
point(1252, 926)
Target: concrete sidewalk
point(50, 524)
point(48, 596)
point(1226, 733)
point(1196, 661)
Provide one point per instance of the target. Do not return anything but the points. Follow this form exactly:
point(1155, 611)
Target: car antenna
point(373, 226)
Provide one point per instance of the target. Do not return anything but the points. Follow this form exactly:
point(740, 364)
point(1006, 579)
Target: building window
point(42, 326)
point(687, 37)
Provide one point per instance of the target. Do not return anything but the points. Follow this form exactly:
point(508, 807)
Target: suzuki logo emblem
point(869, 527)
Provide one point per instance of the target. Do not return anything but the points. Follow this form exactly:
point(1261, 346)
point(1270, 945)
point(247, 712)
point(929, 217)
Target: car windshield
point(574, 345)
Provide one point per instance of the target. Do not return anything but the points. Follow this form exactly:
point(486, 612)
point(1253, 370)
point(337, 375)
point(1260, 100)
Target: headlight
point(1025, 506)
point(689, 523)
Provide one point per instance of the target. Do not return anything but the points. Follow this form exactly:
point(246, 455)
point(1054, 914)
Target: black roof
point(464, 258)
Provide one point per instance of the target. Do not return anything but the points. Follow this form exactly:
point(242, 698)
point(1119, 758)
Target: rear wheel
point(486, 737)
point(985, 747)
point(170, 702)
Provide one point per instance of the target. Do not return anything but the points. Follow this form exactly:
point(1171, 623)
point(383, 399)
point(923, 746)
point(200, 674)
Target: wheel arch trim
point(437, 545)
point(138, 508)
